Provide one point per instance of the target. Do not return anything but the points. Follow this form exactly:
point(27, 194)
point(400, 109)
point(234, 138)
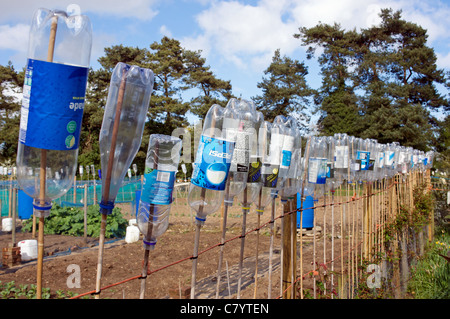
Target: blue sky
point(237, 38)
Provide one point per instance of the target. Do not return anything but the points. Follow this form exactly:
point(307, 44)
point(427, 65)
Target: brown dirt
point(122, 261)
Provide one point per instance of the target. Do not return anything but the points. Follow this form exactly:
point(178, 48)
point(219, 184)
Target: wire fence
point(365, 235)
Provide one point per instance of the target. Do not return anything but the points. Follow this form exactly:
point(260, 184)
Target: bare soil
point(123, 260)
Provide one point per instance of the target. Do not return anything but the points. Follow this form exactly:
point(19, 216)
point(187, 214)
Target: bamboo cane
point(258, 223)
point(42, 175)
point(108, 182)
point(222, 238)
point(197, 231)
point(194, 258)
point(332, 243)
point(149, 230)
point(85, 212)
point(272, 221)
point(324, 231)
point(241, 254)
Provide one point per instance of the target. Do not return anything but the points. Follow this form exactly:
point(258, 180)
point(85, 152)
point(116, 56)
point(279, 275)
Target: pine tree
point(10, 80)
point(336, 100)
point(284, 90)
point(212, 90)
point(398, 72)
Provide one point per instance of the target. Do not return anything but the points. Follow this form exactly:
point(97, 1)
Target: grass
point(431, 276)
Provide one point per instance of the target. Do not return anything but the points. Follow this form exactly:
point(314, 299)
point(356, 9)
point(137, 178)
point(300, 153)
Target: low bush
point(70, 221)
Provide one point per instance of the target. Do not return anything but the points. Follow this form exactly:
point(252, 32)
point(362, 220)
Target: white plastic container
point(7, 224)
point(132, 222)
point(132, 234)
point(28, 249)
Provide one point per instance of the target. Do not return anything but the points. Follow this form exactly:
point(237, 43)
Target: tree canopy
point(378, 82)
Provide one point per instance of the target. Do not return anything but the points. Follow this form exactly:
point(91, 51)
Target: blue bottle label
point(158, 187)
point(52, 105)
point(363, 159)
point(317, 170)
point(212, 163)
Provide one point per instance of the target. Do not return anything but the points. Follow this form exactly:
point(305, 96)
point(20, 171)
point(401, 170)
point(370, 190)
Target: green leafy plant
point(70, 221)
point(431, 276)
point(9, 290)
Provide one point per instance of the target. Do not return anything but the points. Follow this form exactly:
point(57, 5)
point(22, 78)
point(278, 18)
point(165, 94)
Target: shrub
point(70, 221)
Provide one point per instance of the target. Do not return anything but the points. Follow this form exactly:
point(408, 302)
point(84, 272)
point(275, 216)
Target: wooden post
point(108, 182)
point(42, 176)
point(293, 202)
point(14, 206)
point(85, 212)
point(287, 264)
point(74, 189)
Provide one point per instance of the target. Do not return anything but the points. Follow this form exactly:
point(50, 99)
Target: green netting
point(75, 195)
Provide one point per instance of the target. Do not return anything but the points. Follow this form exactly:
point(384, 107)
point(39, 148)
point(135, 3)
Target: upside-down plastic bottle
point(52, 107)
point(161, 165)
point(122, 127)
point(271, 153)
point(252, 189)
point(212, 164)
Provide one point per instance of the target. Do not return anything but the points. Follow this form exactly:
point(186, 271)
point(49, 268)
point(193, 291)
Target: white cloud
point(164, 30)
point(235, 31)
point(247, 35)
point(443, 60)
point(14, 37)
point(24, 9)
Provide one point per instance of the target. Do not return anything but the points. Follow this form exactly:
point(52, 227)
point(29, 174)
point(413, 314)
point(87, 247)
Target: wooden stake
point(286, 252)
point(108, 181)
point(149, 229)
point(272, 235)
point(42, 174)
point(85, 212)
point(222, 239)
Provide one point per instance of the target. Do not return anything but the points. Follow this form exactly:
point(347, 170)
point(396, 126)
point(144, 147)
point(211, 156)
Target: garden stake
point(222, 239)
point(42, 175)
point(272, 221)
point(149, 230)
point(258, 222)
point(108, 183)
point(198, 227)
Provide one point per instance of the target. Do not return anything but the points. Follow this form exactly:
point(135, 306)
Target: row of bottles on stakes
point(341, 157)
point(242, 156)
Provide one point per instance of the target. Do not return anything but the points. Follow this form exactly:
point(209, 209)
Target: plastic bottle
point(379, 161)
point(243, 127)
point(287, 129)
point(128, 100)
point(270, 142)
point(253, 186)
point(52, 108)
point(293, 179)
point(161, 165)
point(317, 167)
point(212, 164)
point(332, 183)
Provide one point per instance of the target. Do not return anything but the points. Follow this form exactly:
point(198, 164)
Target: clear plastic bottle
point(243, 127)
point(332, 183)
point(317, 167)
point(271, 142)
point(161, 165)
point(129, 98)
point(53, 101)
point(287, 129)
point(253, 186)
point(293, 179)
point(212, 163)
point(379, 161)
